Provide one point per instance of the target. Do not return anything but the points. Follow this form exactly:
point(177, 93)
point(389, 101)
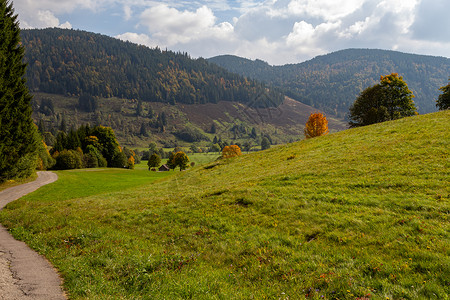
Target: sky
point(276, 31)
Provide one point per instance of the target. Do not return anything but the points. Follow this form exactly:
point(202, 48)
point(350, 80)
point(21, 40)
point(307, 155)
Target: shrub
point(90, 160)
point(68, 159)
point(119, 160)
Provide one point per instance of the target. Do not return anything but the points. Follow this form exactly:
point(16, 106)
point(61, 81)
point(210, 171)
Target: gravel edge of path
point(24, 274)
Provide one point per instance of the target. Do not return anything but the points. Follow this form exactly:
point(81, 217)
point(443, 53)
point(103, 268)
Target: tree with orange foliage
point(231, 151)
point(317, 125)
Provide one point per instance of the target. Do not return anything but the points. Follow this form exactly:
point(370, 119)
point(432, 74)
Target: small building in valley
point(164, 168)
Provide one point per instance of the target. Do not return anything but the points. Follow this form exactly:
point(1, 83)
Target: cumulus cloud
point(140, 39)
point(43, 13)
point(278, 31)
point(171, 26)
point(127, 12)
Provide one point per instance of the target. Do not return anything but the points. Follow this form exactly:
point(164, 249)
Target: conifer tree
point(18, 142)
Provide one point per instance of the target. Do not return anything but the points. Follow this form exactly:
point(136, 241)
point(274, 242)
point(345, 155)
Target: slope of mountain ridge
point(332, 82)
point(63, 64)
point(74, 62)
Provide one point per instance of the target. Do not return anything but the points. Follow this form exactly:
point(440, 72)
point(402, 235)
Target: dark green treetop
point(389, 100)
point(18, 141)
point(443, 101)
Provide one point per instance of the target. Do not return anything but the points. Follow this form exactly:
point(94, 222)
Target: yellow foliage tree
point(231, 151)
point(317, 125)
point(130, 162)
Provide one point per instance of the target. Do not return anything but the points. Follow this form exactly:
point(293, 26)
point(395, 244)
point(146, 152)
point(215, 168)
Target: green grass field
point(359, 214)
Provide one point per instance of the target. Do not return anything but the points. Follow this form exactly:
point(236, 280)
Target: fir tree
point(18, 141)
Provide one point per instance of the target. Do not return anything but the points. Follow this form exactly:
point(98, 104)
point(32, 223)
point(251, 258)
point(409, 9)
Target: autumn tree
point(130, 162)
point(154, 161)
point(443, 101)
point(18, 142)
point(317, 125)
point(180, 159)
point(389, 100)
point(231, 151)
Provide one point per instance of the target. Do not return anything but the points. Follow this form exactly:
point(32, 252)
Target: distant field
point(198, 158)
point(359, 214)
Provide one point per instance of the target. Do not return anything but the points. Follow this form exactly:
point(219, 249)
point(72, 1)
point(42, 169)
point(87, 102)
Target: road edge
point(33, 274)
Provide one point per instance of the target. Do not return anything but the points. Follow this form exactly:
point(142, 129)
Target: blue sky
point(276, 31)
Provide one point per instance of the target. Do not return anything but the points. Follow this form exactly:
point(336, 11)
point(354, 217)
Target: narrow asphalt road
point(24, 274)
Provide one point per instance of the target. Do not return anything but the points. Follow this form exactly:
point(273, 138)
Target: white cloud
point(278, 31)
point(171, 26)
point(127, 12)
point(43, 13)
point(141, 39)
point(329, 10)
point(44, 18)
point(65, 25)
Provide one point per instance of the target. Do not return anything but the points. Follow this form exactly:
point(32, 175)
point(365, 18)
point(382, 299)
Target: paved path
point(24, 274)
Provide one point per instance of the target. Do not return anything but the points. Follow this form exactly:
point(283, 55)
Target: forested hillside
point(72, 63)
point(332, 82)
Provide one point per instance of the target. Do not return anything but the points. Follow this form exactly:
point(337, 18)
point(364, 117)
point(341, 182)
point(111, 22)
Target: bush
point(90, 160)
point(119, 160)
point(68, 159)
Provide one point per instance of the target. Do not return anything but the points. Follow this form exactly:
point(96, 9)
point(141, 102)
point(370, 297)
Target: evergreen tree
point(143, 130)
point(87, 103)
point(139, 109)
point(18, 141)
point(265, 143)
point(63, 126)
point(41, 126)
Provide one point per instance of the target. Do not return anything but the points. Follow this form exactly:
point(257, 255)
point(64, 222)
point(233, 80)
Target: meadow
point(358, 214)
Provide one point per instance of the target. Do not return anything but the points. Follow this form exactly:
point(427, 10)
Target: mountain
point(73, 62)
point(332, 82)
point(168, 124)
point(151, 95)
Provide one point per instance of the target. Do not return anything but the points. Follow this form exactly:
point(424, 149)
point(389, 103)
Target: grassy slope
point(359, 213)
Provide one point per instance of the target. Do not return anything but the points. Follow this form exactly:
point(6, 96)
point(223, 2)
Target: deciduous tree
point(389, 100)
point(154, 161)
point(181, 160)
point(317, 125)
point(443, 101)
point(231, 151)
point(18, 142)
